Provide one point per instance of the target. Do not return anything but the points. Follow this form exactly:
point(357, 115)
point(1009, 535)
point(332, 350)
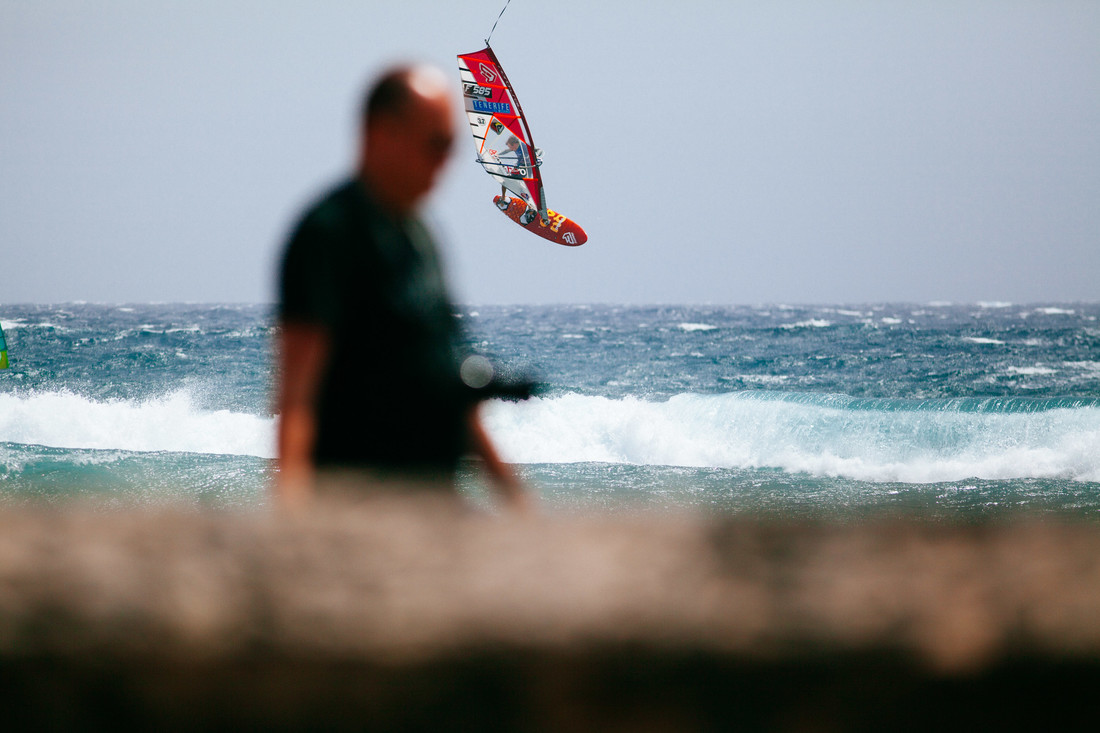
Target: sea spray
point(880, 440)
point(168, 423)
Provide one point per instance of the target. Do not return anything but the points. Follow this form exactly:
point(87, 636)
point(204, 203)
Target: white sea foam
point(23, 323)
point(168, 423)
point(982, 340)
point(748, 430)
point(773, 380)
point(816, 435)
point(1091, 366)
point(812, 323)
point(697, 327)
point(1030, 371)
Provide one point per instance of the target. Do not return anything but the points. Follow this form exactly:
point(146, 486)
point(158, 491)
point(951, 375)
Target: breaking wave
point(169, 423)
point(909, 441)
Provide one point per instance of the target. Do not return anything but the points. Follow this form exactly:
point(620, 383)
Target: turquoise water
point(946, 411)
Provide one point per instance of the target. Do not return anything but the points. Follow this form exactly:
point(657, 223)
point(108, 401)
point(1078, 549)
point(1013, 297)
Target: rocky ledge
point(417, 614)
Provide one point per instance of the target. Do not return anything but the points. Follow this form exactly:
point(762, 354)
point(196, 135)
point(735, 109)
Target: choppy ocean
point(950, 412)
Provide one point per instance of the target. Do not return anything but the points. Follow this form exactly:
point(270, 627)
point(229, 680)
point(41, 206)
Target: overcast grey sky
point(723, 152)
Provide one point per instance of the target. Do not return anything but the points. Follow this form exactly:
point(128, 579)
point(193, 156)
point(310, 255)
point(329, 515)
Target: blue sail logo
point(492, 107)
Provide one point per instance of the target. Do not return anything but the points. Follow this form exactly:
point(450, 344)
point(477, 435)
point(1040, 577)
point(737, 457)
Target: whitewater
point(939, 409)
point(825, 436)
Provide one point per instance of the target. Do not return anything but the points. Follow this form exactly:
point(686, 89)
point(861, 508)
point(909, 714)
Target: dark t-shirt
point(391, 397)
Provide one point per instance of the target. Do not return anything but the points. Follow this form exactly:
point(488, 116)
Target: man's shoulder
point(325, 239)
point(335, 208)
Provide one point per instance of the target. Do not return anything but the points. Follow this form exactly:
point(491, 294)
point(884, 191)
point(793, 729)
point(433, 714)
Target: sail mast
point(506, 3)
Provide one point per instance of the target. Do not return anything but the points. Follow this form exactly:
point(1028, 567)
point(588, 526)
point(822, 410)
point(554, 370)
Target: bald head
point(407, 134)
point(392, 92)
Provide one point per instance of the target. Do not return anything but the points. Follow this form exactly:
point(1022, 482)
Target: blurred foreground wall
point(417, 615)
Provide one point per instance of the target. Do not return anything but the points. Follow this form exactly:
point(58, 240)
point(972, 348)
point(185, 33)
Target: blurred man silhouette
point(370, 383)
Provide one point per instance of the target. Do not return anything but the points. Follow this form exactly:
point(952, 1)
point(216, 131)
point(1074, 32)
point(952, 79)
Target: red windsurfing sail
point(501, 134)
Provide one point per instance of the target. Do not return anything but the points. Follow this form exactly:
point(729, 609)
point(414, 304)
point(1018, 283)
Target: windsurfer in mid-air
point(521, 168)
point(520, 153)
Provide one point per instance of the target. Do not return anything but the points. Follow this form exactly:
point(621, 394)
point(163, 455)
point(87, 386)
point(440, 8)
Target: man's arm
point(504, 480)
point(302, 354)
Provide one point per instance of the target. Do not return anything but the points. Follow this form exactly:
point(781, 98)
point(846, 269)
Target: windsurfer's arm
point(504, 479)
point(302, 350)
